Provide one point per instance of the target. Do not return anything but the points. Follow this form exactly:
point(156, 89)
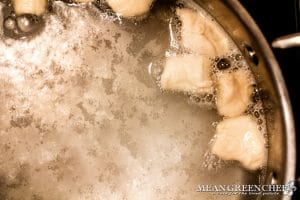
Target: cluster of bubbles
point(175, 26)
point(29, 25)
point(233, 62)
point(212, 163)
point(230, 62)
point(175, 36)
point(259, 110)
point(204, 100)
point(22, 26)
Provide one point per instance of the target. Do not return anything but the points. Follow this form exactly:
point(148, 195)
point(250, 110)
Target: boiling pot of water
point(83, 114)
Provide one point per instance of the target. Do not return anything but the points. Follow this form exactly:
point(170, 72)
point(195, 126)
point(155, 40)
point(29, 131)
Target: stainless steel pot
point(248, 37)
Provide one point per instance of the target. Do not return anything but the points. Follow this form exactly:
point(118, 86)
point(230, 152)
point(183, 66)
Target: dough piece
point(239, 139)
point(192, 32)
point(234, 92)
point(219, 39)
point(130, 8)
point(35, 7)
point(187, 73)
point(201, 35)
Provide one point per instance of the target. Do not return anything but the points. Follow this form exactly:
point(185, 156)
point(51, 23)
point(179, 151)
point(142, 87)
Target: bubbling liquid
point(82, 115)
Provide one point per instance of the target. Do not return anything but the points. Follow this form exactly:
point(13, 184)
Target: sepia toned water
point(82, 115)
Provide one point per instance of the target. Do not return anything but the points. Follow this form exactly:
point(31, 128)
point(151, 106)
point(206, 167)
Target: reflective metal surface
point(243, 30)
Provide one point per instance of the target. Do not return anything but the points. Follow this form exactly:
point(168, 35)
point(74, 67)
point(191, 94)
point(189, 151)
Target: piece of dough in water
point(130, 8)
point(35, 7)
point(187, 73)
point(239, 139)
point(201, 35)
point(234, 91)
point(219, 39)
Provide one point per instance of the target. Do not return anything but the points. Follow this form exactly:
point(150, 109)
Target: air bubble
point(259, 121)
point(197, 99)
point(10, 23)
point(238, 57)
point(223, 63)
point(256, 95)
point(261, 111)
point(209, 97)
point(24, 23)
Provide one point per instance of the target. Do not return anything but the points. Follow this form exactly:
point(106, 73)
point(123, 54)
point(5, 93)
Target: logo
point(290, 188)
point(237, 189)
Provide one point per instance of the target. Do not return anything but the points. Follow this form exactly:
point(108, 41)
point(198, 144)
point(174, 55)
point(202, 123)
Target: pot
point(246, 34)
point(56, 89)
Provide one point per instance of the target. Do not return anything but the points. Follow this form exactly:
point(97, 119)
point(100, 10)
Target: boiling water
point(82, 115)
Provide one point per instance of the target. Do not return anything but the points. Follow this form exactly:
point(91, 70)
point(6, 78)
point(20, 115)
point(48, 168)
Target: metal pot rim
point(279, 84)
